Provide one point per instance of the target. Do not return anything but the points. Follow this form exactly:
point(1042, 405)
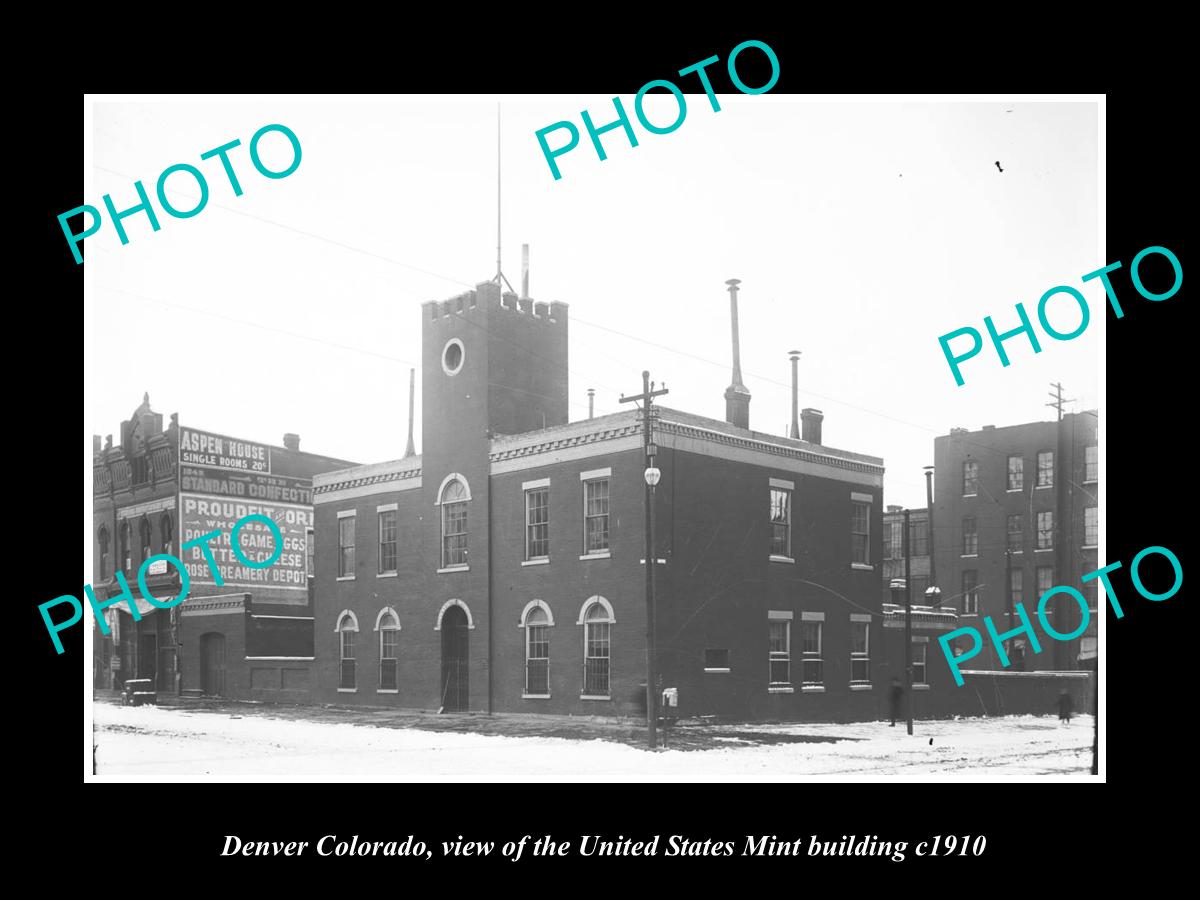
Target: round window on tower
point(452, 356)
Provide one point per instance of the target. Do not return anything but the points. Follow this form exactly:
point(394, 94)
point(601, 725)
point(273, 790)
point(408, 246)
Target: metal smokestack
point(737, 397)
point(411, 450)
point(524, 271)
point(794, 355)
point(591, 402)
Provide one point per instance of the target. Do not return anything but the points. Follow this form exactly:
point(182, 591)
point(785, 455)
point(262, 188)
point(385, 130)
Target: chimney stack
point(737, 397)
point(96, 445)
point(811, 423)
point(411, 449)
point(524, 270)
point(795, 357)
point(291, 441)
point(591, 402)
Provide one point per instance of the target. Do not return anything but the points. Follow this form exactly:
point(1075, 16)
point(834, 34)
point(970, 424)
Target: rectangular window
point(1016, 532)
point(810, 661)
point(970, 477)
point(1091, 526)
point(780, 656)
point(781, 522)
point(310, 553)
point(1045, 530)
point(918, 538)
point(970, 536)
point(346, 547)
point(537, 523)
point(389, 643)
point(387, 541)
point(970, 592)
point(1045, 579)
point(454, 533)
point(919, 668)
point(596, 660)
point(892, 536)
point(860, 656)
point(595, 515)
point(347, 680)
point(1091, 465)
point(716, 659)
point(1016, 473)
point(860, 532)
point(1016, 591)
point(1045, 476)
point(537, 660)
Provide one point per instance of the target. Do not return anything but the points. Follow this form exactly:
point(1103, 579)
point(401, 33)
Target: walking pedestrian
point(1064, 707)
point(895, 694)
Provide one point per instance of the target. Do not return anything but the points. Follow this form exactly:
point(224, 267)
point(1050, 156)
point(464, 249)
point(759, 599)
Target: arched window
point(125, 559)
point(388, 627)
point(537, 652)
point(167, 533)
point(102, 541)
point(454, 523)
point(144, 531)
point(597, 649)
point(347, 631)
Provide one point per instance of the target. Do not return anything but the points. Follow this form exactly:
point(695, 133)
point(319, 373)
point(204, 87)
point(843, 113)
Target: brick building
point(157, 490)
point(1016, 513)
point(502, 569)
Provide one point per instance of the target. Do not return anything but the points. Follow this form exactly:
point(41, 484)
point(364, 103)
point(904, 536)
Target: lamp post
point(899, 588)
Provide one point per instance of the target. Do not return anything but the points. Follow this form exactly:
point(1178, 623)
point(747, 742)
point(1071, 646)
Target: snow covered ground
point(164, 744)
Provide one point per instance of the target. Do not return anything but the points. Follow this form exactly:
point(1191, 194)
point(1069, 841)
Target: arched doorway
point(212, 664)
point(455, 679)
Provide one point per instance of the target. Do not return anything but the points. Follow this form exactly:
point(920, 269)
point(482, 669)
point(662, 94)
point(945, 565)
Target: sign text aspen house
point(144, 204)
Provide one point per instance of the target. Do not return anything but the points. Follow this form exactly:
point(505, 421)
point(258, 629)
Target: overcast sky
point(861, 232)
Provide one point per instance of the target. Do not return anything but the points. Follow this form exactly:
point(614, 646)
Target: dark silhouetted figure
point(1064, 707)
point(895, 694)
point(998, 166)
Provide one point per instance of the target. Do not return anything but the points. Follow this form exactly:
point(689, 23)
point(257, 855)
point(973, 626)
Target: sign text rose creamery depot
point(222, 480)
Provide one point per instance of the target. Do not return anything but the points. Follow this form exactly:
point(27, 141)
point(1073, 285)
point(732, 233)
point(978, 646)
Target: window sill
point(965, 496)
point(540, 697)
point(1089, 547)
point(1043, 487)
point(1015, 491)
point(920, 687)
point(862, 567)
point(388, 575)
point(860, 687)
point(781, 689)
point(726, 670)
point(812, 689)
point(345, 578)
point(387, 691)
point(446, 569)
point(1092, 481)
point(347, 690)
point(594, 697)
point(1044, 550)
point(969, 555)
point(1015, 552)
point(600, 554)
point(780, 559)
point(539, 561)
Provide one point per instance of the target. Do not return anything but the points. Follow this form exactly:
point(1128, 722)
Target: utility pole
point(1057, 400)
point(1008, 588)
point(652, 475)
point(929, 507)
point(908, 623)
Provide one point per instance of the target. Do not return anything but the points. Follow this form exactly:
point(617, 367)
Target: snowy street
point(282, 744)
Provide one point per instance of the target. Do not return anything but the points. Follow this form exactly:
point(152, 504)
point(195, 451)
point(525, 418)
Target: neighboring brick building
point(160, 488)
point(502, 570)
point(1016, 513)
